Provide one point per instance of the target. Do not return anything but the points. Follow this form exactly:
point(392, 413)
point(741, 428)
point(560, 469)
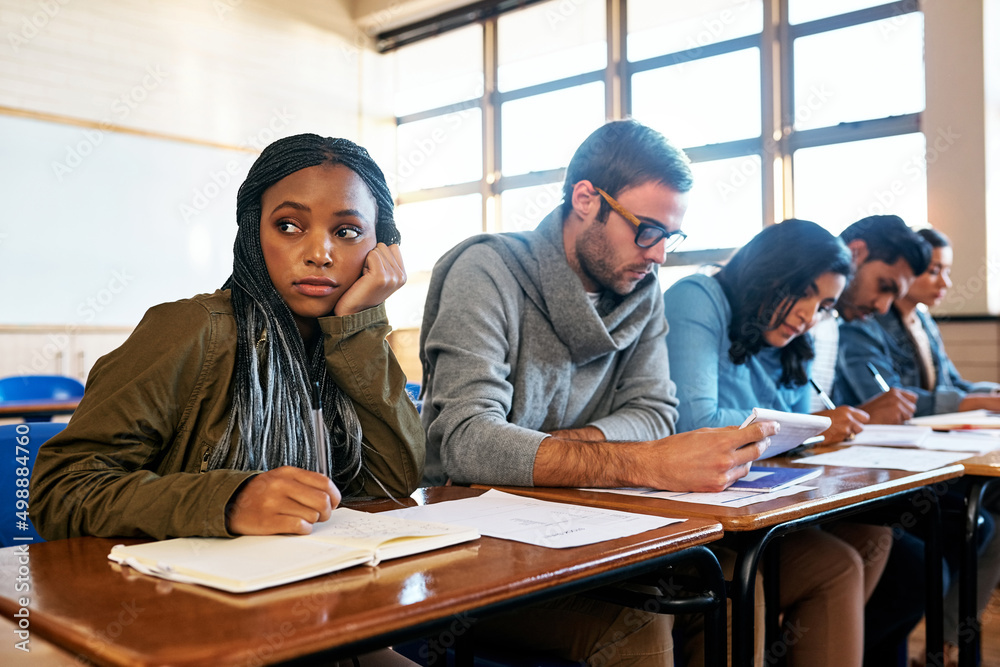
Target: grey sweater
point(512, 348)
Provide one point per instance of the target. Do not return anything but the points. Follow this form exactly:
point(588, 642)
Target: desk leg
point(934, 586)
point(465, 649)
point(715, 616)
point(968, 607)
point(772, 596)
point(742, 593)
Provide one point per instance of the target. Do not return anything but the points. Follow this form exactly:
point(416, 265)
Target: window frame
point(775, 146)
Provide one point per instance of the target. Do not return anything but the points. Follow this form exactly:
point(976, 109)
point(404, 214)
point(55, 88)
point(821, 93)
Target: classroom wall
point(225, 72)
point(216, 79)
point(957, 159)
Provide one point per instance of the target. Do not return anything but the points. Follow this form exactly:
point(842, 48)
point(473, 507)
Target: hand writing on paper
point(283, 500)
point(892, 407)
point(383, 274)
point(708, 460)
point(847, 422)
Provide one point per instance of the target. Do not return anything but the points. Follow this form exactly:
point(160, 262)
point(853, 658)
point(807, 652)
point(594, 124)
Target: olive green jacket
point(133, 460)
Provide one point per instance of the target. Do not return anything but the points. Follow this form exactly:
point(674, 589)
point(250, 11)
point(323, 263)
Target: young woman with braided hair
point(201, 423)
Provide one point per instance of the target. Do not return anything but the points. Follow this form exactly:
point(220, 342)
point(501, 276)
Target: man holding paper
point(544, 361)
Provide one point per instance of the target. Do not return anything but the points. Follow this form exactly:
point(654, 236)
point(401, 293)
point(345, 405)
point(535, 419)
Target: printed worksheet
point(539, 522)
point(914, 460)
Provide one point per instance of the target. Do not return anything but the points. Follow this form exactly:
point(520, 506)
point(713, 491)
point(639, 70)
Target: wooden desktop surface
point(987, 465)
point(113, 615)
point(836, 488)
point(33, 407)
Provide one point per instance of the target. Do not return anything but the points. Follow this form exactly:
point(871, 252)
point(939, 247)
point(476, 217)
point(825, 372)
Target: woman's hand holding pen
point(847, 423)
point(382, 275)
point(284, 500)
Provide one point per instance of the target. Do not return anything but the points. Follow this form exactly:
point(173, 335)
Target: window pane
point(725, 209)
point(668, 275)
point(443, 150)
point(430, 228)
point(840, 184)
point(800, 11)
point(690, 104)
point(878, 71)
point(656, 27)
point(439, 71)
point(523, 208)
point(540, 133)
point(550, 41)
point(405, 307)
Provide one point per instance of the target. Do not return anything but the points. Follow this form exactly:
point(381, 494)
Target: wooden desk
point(981, 471)
point(840, 492)
point(38, 409)
point(40, 653)
point(113, 615)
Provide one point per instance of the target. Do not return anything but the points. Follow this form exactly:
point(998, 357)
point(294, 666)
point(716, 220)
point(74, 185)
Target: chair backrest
point(39, 387)
point(20, 443)
point(413, 391)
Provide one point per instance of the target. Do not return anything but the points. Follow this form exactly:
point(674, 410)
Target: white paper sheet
point(722, 499)
point(974, 442)
point(914, 460)
point(539, 522)
point(884, 435)
point(923, 437)
point(972, 418)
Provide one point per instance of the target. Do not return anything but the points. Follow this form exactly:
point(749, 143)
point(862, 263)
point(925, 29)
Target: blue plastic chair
point(39, 388)
point(413, 390)
point(20, 443)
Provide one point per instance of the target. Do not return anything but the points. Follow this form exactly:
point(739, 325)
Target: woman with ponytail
point(202, 422)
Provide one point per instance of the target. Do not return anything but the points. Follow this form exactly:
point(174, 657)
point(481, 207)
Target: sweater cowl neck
point(537, 260)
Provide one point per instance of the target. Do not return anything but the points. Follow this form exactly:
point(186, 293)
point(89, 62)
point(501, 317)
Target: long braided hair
point(271, 421)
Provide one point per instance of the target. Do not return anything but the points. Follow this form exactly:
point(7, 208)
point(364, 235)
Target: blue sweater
point(712, 390)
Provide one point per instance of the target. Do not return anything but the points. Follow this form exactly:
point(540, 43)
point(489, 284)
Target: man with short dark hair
point(544, 364)
point(888, 256)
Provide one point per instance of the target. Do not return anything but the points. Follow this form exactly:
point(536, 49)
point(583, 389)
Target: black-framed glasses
point(646, 234)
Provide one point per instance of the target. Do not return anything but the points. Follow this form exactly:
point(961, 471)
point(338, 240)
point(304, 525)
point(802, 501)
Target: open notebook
point(250, 563)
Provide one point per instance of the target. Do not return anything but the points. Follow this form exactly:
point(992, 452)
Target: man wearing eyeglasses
point(544, 364)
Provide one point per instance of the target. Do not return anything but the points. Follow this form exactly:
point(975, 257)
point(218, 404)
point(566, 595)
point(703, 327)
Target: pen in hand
point(319, 430)
point(878, 377)
point(822, 395)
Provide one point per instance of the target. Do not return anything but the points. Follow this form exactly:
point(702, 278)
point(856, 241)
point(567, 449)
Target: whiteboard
point(98, 225)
